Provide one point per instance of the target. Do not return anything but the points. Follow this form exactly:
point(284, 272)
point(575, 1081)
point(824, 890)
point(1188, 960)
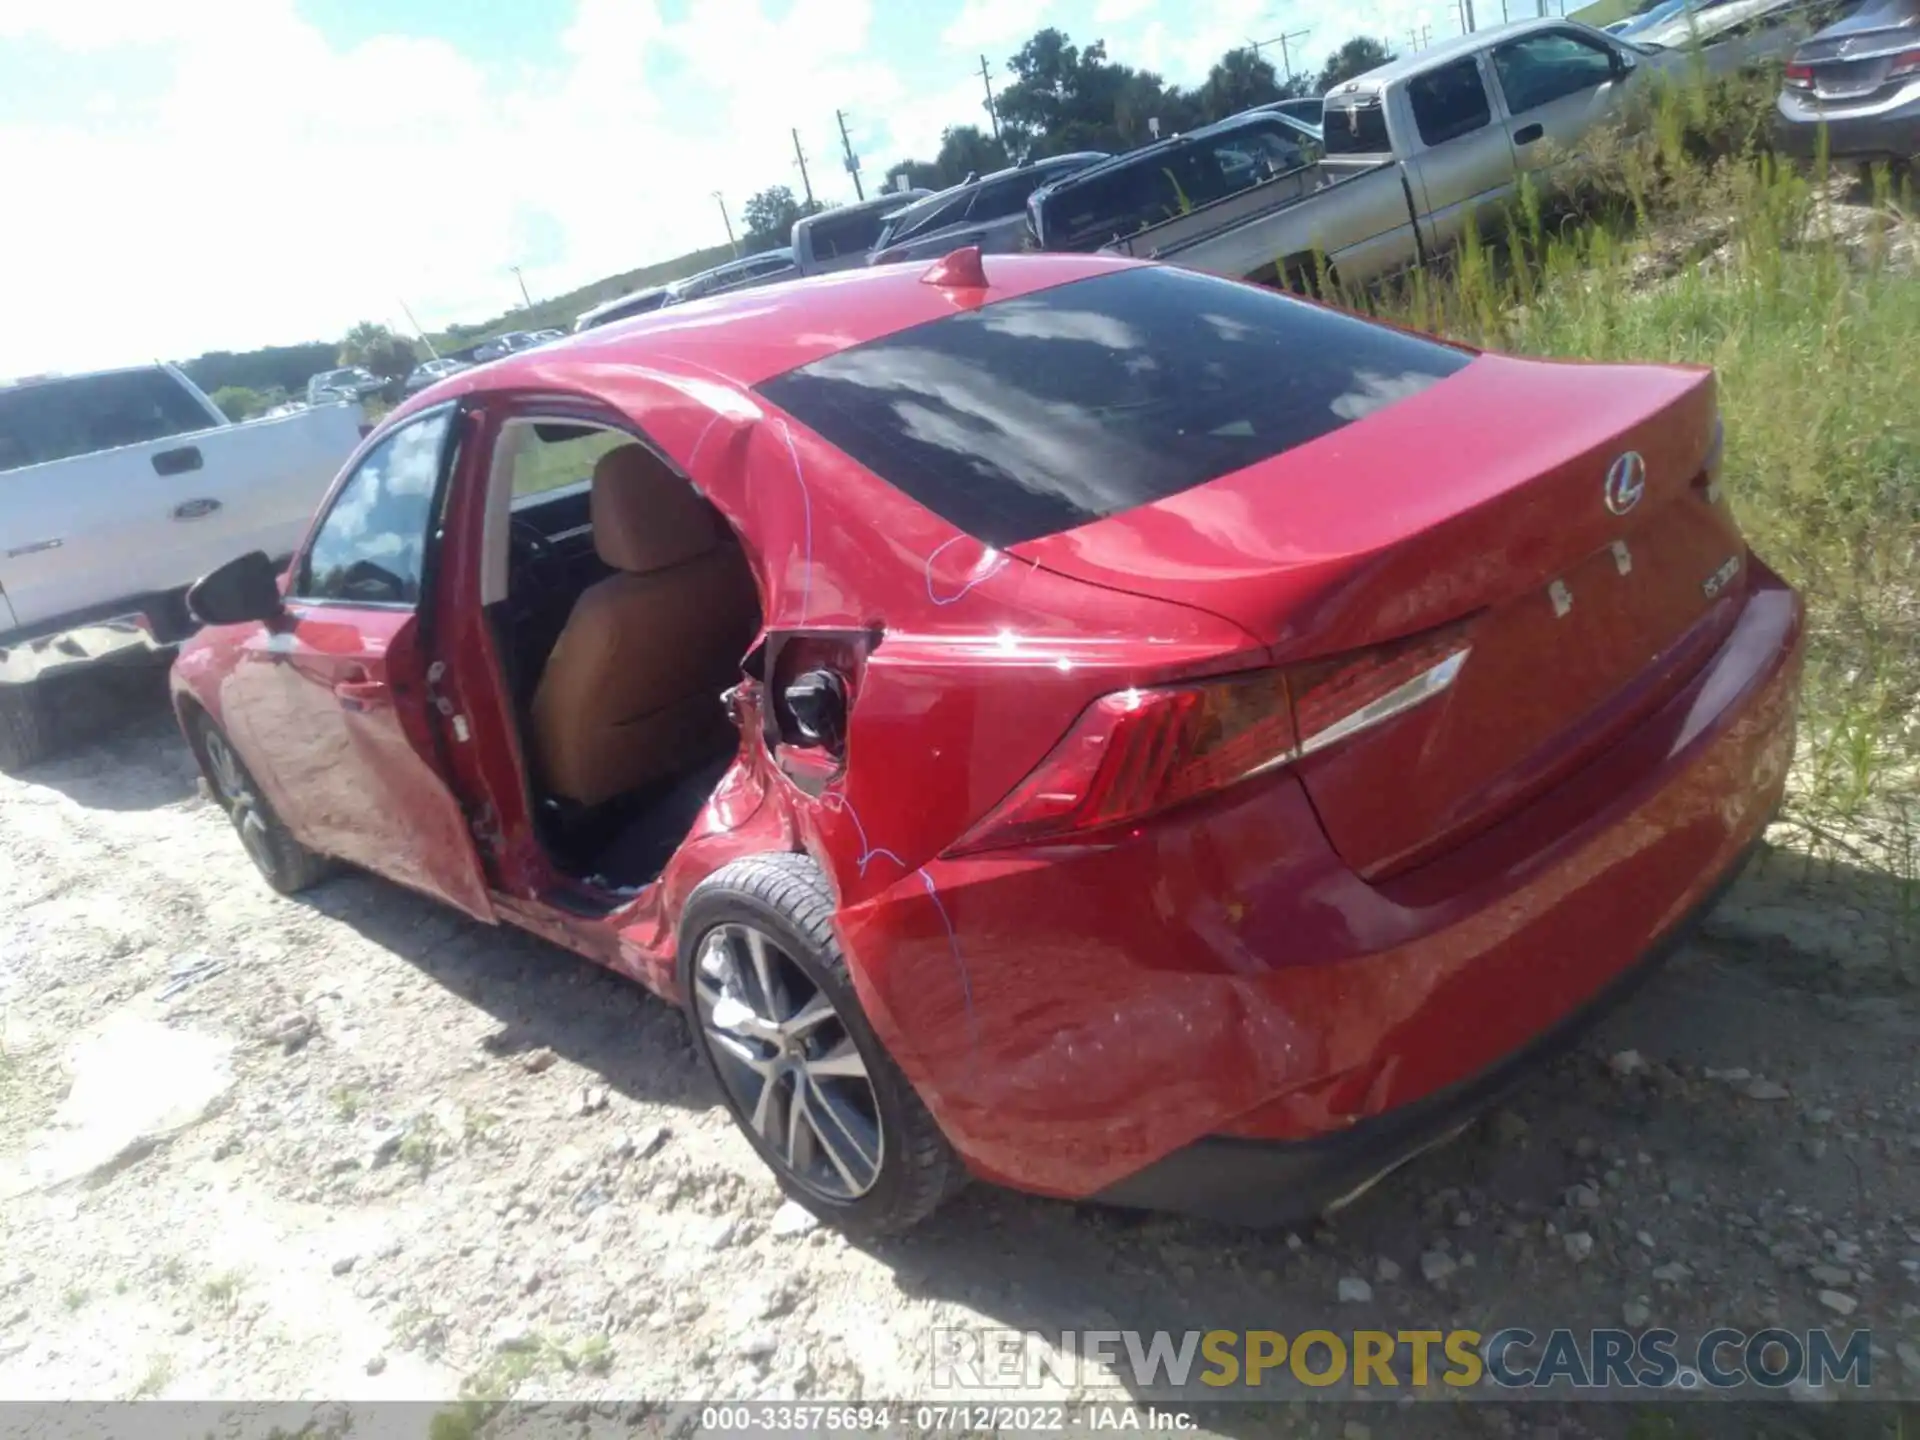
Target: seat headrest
point(645, 517)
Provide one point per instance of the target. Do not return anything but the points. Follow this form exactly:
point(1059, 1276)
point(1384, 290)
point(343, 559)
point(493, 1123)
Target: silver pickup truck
point(1415, 152)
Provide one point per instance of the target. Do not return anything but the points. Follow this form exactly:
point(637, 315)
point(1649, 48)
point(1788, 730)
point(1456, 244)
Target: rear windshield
point(58, 419)
point(1355, 129)
point(850, 234)
point(1099, 209)
point(1043, 413)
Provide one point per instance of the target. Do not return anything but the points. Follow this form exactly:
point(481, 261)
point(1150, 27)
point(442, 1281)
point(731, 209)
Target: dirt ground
point(356, 1147)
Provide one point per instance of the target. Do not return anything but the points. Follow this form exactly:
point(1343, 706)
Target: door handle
point(360, 693)
point(195, 509)
point(1528, 134)
point(177, 462)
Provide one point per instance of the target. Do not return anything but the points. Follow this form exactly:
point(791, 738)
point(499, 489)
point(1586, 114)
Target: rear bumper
point(1266, 1183)
point(1892, 134)
point(1105, 1022)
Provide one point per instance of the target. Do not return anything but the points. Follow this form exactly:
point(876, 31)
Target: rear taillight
point(1137, 753)
point(1904, 64)
point(1800, 76)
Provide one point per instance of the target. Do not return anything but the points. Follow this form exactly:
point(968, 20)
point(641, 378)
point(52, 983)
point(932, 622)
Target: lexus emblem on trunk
point(1626, 482)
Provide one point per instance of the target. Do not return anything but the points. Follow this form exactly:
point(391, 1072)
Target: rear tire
point(286, 864)
point(26, 726)
point(775, 1017)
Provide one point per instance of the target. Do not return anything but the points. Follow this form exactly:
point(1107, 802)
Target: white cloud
point(283, 189)
point(982, 24)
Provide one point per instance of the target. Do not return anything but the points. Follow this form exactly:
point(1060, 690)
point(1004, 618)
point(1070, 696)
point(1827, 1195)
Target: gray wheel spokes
point(770, 1110)
point(788, 1062)
point(814, 1013)
point(843, 1062)
point(773, 999)
point(226, 769)
point(253, 835)
point(839, 1133)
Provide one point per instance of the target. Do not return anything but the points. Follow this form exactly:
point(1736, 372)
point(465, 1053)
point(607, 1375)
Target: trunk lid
point(1482, 501)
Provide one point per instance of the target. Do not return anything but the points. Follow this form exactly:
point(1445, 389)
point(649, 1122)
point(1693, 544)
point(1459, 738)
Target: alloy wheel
point(236, 789)
point(788, 1062)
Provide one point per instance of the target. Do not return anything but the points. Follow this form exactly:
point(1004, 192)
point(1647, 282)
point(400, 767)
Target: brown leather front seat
point(631, 693)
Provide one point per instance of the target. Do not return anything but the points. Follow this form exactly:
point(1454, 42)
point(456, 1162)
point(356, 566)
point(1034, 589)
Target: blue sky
point(232, 173)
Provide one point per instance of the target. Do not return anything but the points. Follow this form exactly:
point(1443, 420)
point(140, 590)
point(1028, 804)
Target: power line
point(1284, 42)
point(853, 160)
point(993, 111)
point(800, 159)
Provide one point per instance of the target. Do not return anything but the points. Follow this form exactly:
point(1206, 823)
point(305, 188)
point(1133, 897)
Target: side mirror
point(239, 591)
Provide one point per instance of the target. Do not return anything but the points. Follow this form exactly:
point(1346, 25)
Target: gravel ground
point(357, 1147)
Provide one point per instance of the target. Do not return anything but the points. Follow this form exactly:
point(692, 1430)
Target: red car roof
point(747, 336)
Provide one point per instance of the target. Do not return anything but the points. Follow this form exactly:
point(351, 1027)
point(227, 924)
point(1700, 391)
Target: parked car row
point(1390, 168)
point(1414, 154)
point(830, 240)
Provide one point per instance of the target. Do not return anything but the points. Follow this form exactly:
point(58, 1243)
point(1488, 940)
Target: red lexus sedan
point(1098, 728)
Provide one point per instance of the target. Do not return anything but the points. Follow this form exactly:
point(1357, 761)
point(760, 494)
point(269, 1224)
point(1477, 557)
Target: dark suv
point(989, 211)
point(1114, 199)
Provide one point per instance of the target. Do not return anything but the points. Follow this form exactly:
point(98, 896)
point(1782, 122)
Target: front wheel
point(287, 865)
point(774, 1013)
point(27, 727)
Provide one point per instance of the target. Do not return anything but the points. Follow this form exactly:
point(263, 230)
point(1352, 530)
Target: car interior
point(622, 606)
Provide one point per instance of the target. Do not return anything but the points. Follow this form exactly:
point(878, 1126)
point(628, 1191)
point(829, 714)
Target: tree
point(1239, 80)
point(237, 402)
point(379, 349)
point(967, 150)
point(1359, 55)
point(769, 218)
point(1062, 97)
point(920, 175)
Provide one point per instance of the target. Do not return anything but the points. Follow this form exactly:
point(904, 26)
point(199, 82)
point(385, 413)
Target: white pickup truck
point(117, 491)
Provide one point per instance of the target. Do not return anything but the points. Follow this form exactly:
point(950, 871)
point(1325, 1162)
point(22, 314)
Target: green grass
point(539, 466)
point(222, 1291)
point(157, 1376)
point(1690, 244)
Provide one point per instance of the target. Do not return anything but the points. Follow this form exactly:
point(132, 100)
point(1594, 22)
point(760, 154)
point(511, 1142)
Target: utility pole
point(800, 157)
point(523, 285)
point(727, 221)
point(1421, 38)
point(993, 111)
point(853, 160)
point(1285, 43)
point(405, 310)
